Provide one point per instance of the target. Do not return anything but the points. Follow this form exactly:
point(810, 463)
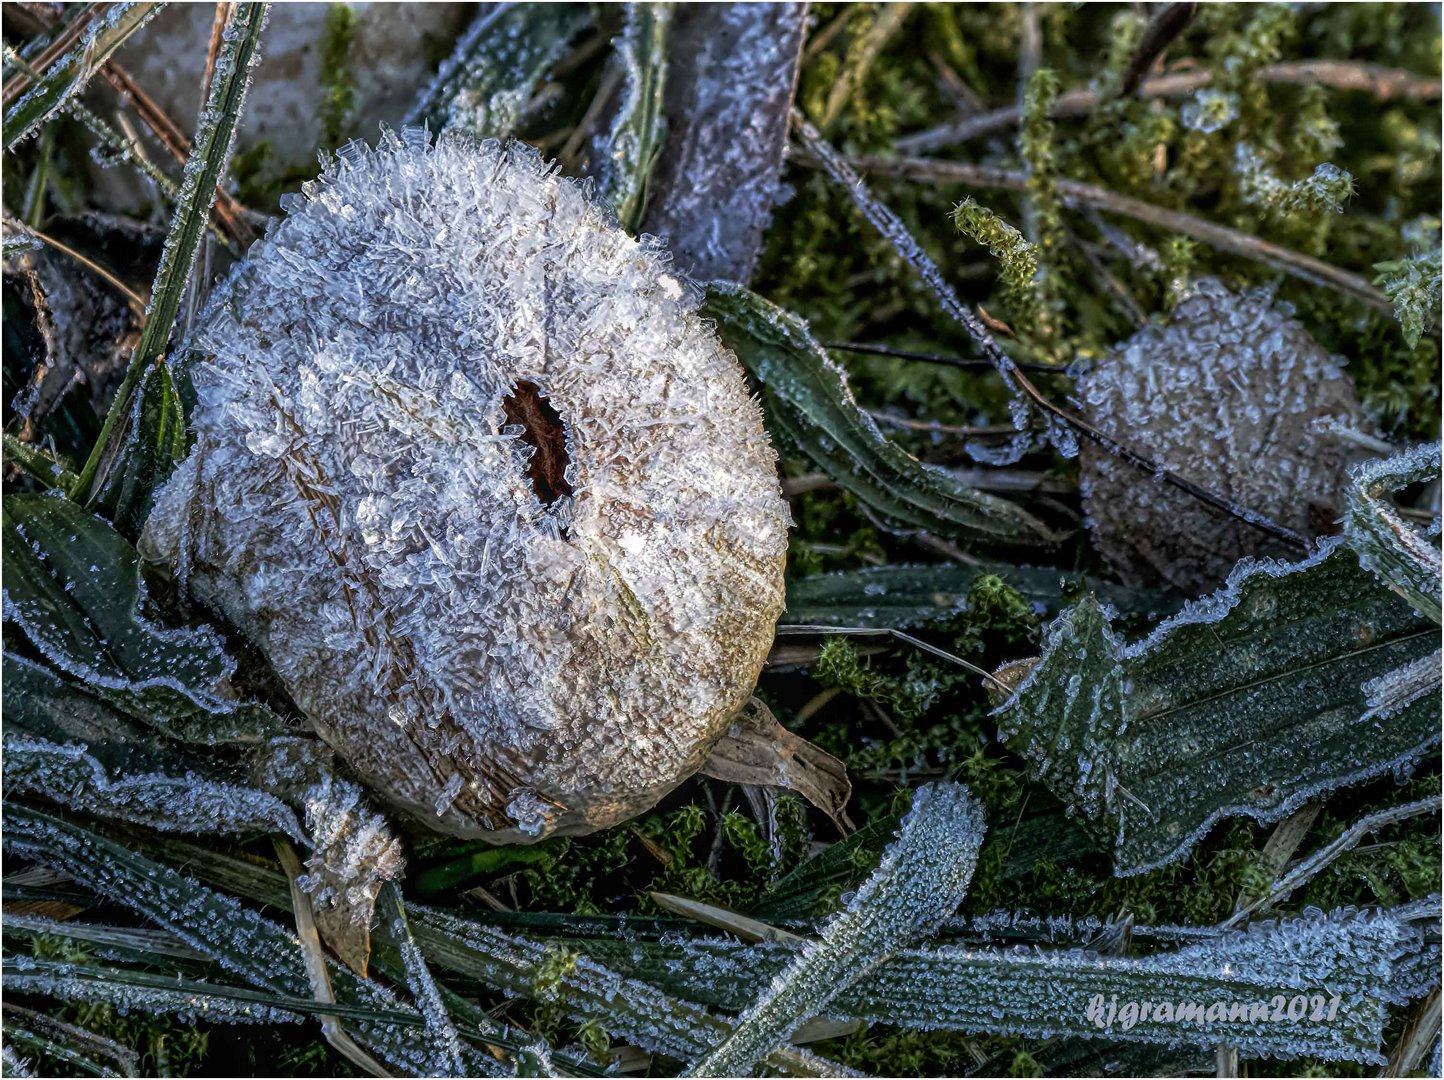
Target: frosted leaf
point(173, 803)
point(624, 159)
point(810, 401)
point(919, 882)
point(1224, 394)
point(1250, 701)
point(484, 487)
point(1061, 992)
point(732, 73)
point(588, 991)
point(483, 88)
point(1403, 556)
point(73, 587)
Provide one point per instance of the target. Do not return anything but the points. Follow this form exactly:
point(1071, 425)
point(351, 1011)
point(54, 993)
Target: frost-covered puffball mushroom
point(488, 493)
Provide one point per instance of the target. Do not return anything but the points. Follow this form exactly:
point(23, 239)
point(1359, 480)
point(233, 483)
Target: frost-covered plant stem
point(215, 135)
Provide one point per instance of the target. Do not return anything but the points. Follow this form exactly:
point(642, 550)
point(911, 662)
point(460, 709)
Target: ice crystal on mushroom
point(484, 487)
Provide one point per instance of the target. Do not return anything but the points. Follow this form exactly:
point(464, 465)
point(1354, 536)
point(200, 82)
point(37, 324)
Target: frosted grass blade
point(920, 881)
point(902, 596)
point(1041, 993)
point(259, 951)
point(808, 398)
point(68, 76)
point(215, 134)
point(586, 990)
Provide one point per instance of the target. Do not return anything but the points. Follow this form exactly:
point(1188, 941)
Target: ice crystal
point(920, 881)
point(730, 83)
point(484, 487)
point(1225, 394)
point(1209, 111)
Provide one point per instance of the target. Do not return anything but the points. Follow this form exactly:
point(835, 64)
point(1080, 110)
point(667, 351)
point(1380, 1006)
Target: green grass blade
point(142, 452)
point(215, 134)
point(920, 881)
point(483, 89)
point(639, 127)
point(808, 398)
point(68, 75)
point(903, 596)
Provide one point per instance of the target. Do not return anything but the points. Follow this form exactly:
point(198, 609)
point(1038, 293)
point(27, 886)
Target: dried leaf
point(758, 750)
point(733, 73)
point(1226, 395)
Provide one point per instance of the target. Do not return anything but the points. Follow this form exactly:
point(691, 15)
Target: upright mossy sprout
point(485, 489)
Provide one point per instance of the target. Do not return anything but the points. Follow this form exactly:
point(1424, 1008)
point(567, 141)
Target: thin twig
point(1075, 193)
point(1321, 858)
point(888, 631)
point(315, 961)
point(231, 213)
point(937, 358)
point(218, 26)
point(136, 301)
point(1386, 84)
point(1419, 1035)
point(1160, 33)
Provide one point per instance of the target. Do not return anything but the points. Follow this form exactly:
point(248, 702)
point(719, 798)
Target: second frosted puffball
point(484, 488)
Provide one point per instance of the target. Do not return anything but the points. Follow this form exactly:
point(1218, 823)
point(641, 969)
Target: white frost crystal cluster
point(1231, 394)
point(485, 489)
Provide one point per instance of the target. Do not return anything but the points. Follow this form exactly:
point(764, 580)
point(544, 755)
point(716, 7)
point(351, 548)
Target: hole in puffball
point(542, 430)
